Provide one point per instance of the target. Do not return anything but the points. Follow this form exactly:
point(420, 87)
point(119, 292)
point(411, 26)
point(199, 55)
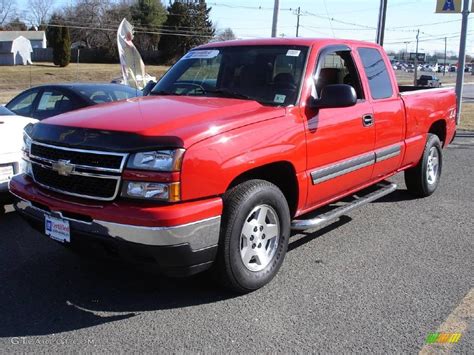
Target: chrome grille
point(77, 172)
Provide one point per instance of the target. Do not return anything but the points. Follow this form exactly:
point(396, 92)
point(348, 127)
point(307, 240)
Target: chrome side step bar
point(303, 224)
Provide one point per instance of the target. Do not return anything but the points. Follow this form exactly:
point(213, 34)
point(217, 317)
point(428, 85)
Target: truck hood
point(184, 118)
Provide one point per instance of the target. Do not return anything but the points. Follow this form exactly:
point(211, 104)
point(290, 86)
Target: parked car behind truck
point(49, 100)
point(235, 146)
point(431, 81)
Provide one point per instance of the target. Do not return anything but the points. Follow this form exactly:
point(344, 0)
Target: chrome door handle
point(367, 120)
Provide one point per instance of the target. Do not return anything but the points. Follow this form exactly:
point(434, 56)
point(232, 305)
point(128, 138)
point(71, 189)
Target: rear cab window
point(375, 69)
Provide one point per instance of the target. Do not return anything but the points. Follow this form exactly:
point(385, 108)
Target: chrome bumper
point(198, 235)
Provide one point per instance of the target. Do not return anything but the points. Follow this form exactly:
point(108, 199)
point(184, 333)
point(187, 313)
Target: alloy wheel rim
point(432, 166)
point(259, 238)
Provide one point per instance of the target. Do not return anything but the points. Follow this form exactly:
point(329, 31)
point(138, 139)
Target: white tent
point(21, 50)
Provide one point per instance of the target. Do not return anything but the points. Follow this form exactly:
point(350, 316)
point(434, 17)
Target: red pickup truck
point(239, 143)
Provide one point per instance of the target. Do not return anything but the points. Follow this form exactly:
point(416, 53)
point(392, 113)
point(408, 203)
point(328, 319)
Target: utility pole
point(445, 46)
point(275, 17)
point(381, 23)
point(416, 57)
point(462, 59)
point(406, 51)
point(298, 14)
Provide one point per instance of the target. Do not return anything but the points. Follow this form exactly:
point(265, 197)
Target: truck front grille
point(82, 173)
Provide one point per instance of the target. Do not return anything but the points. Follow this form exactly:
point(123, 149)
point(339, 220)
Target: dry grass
point(14, 79)
point(467, 116)
point(405, 78)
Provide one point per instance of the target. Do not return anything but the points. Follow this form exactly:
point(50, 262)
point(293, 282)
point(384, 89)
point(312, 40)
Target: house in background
point(16, 46)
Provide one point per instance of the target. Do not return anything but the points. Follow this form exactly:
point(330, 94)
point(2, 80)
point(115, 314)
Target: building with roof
point(16, 46)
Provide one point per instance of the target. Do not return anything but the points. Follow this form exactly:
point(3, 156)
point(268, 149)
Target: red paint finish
point(225, 138)
point(153, 176)
point(136, 213)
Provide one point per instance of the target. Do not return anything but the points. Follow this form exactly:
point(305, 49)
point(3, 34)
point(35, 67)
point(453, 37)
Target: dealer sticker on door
point(57, 229)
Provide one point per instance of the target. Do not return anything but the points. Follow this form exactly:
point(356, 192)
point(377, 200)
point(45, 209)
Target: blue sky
point(352, 19)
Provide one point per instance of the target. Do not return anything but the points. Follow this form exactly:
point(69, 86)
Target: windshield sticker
point(202, 54)
point(279, 99)
point(293, 53)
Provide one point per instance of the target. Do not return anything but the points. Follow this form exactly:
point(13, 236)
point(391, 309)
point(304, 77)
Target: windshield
point(5, 112)
point(270, 75)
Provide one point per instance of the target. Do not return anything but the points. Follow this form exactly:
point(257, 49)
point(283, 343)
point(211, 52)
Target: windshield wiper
point(164, 93)
point(231, 94)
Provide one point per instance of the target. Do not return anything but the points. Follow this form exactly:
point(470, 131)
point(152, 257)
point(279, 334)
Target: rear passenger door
point(389, 113)
point(339, 142)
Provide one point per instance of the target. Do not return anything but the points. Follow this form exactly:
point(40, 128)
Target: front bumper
point(172, 250)
point(182, 248)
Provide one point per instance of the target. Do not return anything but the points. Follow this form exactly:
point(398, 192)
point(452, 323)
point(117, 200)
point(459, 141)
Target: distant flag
point(133, 68)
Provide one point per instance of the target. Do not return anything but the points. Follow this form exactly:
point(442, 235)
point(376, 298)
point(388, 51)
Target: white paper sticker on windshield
point(279, 99)
point(293, 53)
point(202, 54)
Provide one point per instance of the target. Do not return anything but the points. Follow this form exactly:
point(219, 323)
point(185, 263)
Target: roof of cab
point(287, 41)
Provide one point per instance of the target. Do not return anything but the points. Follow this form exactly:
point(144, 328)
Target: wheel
point(423, 179)
point(254, 235)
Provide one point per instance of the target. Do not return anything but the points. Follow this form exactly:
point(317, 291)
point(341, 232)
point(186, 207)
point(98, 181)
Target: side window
point(53, 102)
point(338, 68)
point(376, 72)
point(23, 105)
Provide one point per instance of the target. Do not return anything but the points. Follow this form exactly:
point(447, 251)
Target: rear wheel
point(423, 179)
point(254, 235)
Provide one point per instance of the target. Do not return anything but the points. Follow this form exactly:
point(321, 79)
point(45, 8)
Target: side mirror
point(336, 95)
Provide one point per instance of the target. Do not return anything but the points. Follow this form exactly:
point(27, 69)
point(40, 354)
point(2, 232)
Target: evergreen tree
point(147, 15)
point(189, 25)
point(61, 46)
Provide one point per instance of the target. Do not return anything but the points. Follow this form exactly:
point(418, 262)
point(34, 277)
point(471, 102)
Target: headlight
point(151, 191)
point(160, 160)
point(26, 143)
point(25, 167)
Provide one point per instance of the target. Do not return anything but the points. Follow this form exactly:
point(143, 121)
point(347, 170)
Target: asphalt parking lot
point(378, 280)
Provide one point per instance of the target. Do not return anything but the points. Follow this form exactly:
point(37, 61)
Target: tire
point(248, 258)
point(423, 179)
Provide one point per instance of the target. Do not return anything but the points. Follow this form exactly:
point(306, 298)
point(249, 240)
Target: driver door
point(340, 141)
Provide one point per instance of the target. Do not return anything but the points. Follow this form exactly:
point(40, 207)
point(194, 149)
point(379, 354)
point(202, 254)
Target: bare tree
point(39, 11)
point(7, 9)
point(226, 35)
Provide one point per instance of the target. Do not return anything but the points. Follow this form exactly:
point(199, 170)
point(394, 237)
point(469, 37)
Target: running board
point(303, 224)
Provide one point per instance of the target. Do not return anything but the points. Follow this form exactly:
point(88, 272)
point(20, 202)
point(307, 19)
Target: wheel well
point(282, 174)
point(439, 128)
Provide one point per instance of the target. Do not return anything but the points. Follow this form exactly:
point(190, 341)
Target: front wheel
point(254, 235)
point(423, 179)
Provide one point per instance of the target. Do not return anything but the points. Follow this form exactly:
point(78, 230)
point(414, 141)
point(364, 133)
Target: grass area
point(467, 116)
point(405, 78)
point(14, 79)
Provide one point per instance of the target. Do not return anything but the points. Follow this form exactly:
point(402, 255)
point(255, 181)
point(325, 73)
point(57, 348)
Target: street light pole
point(381, 23)
point(462, 59)
point(445, 47)
point(298, 14)
point(416, 57)
point(275, 17)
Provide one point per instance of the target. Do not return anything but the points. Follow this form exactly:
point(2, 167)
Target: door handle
point(367, 120)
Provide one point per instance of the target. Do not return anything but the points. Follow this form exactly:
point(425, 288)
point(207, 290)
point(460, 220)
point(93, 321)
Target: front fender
point(210, 165)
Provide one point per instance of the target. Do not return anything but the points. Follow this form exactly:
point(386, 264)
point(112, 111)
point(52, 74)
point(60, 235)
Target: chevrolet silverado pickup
point(238, 144)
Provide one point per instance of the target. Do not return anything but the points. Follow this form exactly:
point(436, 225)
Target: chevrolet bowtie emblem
point(63, 167)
